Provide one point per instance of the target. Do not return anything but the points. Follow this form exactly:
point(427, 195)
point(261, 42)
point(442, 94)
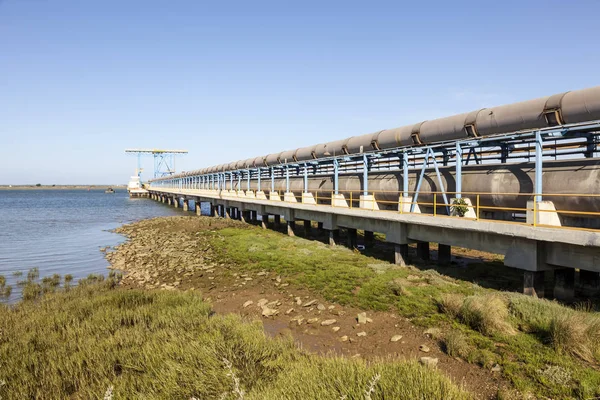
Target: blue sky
point(80, 81)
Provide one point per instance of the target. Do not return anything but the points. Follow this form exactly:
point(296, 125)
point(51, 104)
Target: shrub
point(450, 304)
point(575, 333)
point(487, 314)
point(455, 345)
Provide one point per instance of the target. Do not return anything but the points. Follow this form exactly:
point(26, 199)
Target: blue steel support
point(404, 174)
point(305, 178)
point(248, 180)
point(335, 176)
point(259, 179)
point(287, 178)
point(437, 172)
point(459, 155)
point(272, 179)
point(539, 147)
point(365, 175)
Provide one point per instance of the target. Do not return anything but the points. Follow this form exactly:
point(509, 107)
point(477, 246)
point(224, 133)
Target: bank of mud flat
point(336, 301)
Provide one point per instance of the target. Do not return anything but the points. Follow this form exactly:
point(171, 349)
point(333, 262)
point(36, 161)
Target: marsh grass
point(495, 327)
point(95, 340)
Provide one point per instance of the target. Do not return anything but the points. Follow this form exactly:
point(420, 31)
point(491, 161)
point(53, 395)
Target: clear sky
point(81, 80)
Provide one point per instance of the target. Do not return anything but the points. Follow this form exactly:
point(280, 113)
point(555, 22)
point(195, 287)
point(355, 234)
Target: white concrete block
point(404, 205)
point(274, 196)
point(289, 197)
point(260, 195)
point(250, 194)
point(545, 213)
point(368, 202)
point(308, 198)
point(338, 200)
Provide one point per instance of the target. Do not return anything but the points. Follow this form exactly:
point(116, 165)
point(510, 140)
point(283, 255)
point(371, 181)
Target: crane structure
point(164, 160)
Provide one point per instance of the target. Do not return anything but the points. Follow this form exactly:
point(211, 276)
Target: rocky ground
point(174, 254)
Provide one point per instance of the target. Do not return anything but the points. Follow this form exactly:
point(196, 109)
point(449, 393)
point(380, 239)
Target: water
point(62, 231)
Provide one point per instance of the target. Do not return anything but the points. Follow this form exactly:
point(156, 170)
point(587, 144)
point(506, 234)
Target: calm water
point(61, 231)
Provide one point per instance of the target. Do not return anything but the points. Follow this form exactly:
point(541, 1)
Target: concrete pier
point(533, 283)
point(265, 221)
point(198, 208)
point(352, 238)
point(369, 239)
point(589, 282)
point(334, 237)
point(423, 251)
point(291, 225)
point(401, 254)
point(444, 254)
point(186, 205)
point(307, 227)
point(277, 221)
point(564, 284)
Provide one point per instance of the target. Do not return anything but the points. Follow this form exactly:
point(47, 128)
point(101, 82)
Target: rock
point(312, 320)
point(278, 279)
point(344, 338)
point(298, 301)
point(300, 320)
point(335, 328)
point(248, 303)
point(433, 332)
point(246, 279)
point(269, 312)
point(262, 273)
point(369, 320)
point(309, 303)
point(424, 348)
point(262, 302)
point(396, 338)
point(321, 307)
point(330, 307)
point(496, 368)
point(362, 318)
point(430, 362)
point(328, 322)
point(361, 334)
point(291, 310)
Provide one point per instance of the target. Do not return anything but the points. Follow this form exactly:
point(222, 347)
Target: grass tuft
point(575, 333)
point(487, 314)
point(451, 303)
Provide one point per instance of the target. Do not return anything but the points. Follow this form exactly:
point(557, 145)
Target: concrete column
point(320, 226)
point(265, 221)
point(227, 212)
point(369, 239)
point(290, 228)
point(211, 212)
point(254, 216)
point(533, 283)
point(277, 220)
point(186, 205)
point(307, 227)
point(444, 254)
point(175, 202)
point(401, 254)
point(564, 284)
point(198, 208)
point(352, 242)
point(334, 237)
point(423, 251)
point(589, 281)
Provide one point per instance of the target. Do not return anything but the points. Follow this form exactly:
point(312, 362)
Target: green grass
point(518, 332)
point(80, 343)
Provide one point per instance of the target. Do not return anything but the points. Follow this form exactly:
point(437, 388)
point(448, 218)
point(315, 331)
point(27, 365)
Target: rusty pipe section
point(564, 108)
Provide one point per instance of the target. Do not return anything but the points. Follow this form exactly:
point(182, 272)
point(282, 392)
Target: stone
point(328, 322)
point(291, 310)
point(262, 302)
point(361, 334)
point(344, 338)
point(298, 301)
point(262, 273)
point(430, 362)
point(312, 320)
point(335, 328)
point(424, 348)
point(321, 307)
point(309, 303)
point(362, 318)
point(396, 338)
point(433, 332)
point(369, 320)
point(246, 279)
point(248, 303)
point(330, 307)
point(269, 312)
point(496, 368)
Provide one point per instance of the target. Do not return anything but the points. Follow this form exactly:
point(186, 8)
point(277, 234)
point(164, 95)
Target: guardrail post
point(539, 147)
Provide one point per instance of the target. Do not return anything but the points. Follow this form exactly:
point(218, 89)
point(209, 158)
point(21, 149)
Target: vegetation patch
point(95, 340)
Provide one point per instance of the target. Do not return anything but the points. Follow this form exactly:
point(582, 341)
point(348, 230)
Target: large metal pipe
point(563, 108)
point(499, 185)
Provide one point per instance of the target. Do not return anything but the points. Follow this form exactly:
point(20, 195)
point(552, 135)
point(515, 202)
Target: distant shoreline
point(60, 187)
